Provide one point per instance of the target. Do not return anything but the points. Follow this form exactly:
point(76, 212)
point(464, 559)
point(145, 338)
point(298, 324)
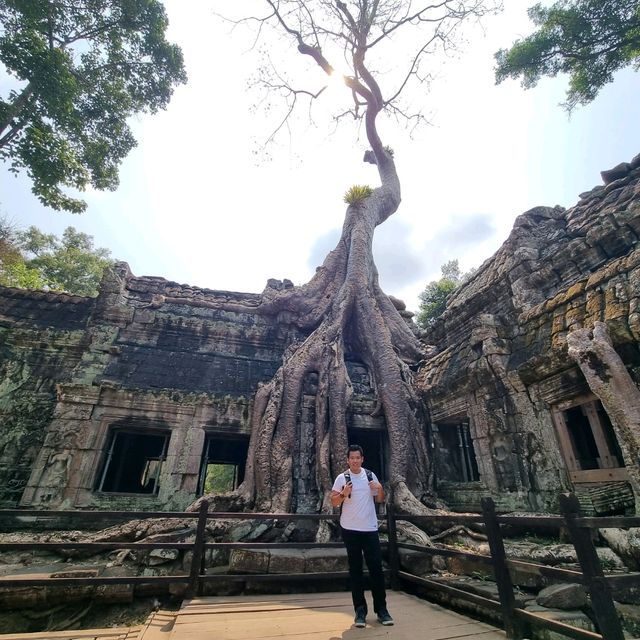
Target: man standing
point(355, 490)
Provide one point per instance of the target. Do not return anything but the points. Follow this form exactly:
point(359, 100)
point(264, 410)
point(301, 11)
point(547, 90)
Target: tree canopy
point(32, 259)
point(81, 68)
point(587, 39)
point(358, 43)
point(433, 300)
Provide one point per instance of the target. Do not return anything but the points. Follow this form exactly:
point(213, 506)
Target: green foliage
point(34, 260)
point(587, 39)
point(357, 193)
point(433, 300)
point(220, 478)
point(82, 68)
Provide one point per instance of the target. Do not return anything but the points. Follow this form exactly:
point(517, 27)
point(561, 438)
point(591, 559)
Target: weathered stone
point(625, 543)
point(563, 596)
point(419, 564)
point(630, 618)
point(162, 556)
point(286, 561)
point(572, 618)
point(619, 171)
point(325, 560)
point(249, 561)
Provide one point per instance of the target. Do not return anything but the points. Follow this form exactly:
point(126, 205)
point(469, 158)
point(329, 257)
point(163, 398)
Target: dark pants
point(367, 544)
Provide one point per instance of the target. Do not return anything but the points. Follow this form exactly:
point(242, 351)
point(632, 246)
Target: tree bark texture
point(342, 309)
point(610, 381)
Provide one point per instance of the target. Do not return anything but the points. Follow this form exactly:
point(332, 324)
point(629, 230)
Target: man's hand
point(377, 490)
point(347, 489)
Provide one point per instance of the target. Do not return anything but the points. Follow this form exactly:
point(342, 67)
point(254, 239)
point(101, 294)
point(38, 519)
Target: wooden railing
point(517, 622)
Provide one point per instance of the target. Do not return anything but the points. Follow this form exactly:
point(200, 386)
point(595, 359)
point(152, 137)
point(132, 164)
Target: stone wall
point(154, 364)
point(147, 356)
point(502, 362)
point(41, 341)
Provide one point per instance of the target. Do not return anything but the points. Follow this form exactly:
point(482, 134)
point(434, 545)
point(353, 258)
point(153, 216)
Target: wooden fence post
point(597, 585)
point(394, 561)
point(198, 551)
point(512, 626)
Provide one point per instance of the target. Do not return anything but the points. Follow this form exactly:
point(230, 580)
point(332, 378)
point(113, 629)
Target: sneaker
point(385, 618)
point(360, 620)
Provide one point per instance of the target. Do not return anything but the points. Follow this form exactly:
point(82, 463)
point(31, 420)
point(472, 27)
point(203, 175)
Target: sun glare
point(336, 81)
point(336, 92)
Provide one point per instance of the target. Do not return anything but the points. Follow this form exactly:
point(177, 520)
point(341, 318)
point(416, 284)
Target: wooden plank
point(320, 616)
point(500, 569)
point(101, 634)
point(158, 626)
point(597, 586)
point(564, 439)
point(599, 475)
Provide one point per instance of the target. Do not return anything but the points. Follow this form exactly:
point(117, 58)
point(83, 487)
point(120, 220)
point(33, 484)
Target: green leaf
point(589, 40)
point(84, 69)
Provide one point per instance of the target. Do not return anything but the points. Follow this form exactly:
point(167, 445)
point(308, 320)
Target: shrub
point(357, 193)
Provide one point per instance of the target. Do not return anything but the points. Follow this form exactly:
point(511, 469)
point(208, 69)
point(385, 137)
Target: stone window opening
point(223, 464)
point(588, 441)
point(455, 455)
point(133, 462)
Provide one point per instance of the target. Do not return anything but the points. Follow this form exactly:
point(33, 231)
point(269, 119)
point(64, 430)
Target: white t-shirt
point(358, 511)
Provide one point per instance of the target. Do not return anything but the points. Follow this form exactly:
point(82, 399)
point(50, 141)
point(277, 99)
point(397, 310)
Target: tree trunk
point(342, 306)
point(610, 381)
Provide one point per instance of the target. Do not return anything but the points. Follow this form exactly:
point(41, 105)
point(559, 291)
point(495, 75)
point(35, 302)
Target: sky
point(200, 201)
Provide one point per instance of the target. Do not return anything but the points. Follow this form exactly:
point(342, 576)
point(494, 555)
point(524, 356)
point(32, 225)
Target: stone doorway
point(373, 443)
point(223, 463)
point(588, 441)
point(133, 462)
point(455, 455)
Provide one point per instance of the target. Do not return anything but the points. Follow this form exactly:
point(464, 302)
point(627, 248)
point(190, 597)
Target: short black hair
point(355, 447)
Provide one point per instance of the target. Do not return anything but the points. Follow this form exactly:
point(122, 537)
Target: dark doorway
point(455, 456)
point(223, 463)
point(133, 462)
point(584, 444)
point(373, 445)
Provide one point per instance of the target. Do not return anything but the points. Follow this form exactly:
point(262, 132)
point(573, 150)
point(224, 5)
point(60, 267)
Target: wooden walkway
point(317, 616)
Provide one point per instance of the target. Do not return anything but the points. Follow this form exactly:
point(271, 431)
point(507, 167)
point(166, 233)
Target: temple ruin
point(142, 397)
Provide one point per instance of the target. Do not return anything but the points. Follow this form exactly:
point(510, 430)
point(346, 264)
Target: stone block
point(419, 564)
point(630, 618)
point(572, 618)
point(162, 556)
point(287, 561)
point(563, 596)
point(324, 560)
point(462, 566)
point(249, 561)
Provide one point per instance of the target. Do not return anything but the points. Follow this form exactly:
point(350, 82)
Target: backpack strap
point(347, 479)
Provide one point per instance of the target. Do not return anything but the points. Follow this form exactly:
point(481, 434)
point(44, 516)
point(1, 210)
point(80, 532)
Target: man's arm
point(376, 486)
point(338, 497)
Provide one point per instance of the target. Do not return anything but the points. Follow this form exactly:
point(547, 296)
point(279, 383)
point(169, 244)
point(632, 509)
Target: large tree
point(81, 69)
point(587, 39)
point(31, 259)
point(342, 311)
point(433, 300)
